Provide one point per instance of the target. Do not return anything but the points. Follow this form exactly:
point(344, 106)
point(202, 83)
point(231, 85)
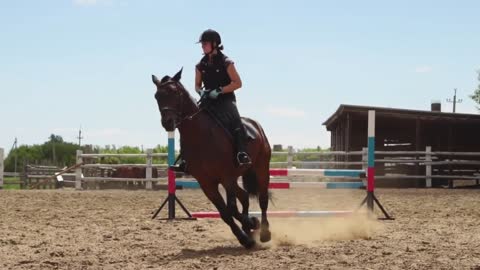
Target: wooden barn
point(405, 130)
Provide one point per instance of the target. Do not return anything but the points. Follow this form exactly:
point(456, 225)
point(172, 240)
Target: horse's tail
point(250, 182)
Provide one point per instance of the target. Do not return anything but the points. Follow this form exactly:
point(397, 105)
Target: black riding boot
point(243, 158)
point(181, 164)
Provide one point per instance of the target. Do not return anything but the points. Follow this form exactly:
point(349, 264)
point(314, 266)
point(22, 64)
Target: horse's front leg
point(227, 212)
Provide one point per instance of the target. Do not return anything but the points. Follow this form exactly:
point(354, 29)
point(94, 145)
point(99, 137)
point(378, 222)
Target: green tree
point(56, 138)
point(25, 155)
point(55, 152)
point(476, 93)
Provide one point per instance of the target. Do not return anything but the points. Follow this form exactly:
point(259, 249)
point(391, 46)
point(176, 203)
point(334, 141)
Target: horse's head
point(170, 99)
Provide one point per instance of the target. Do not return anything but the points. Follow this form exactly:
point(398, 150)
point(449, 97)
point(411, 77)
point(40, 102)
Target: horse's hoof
point(248, 243)
point(265, 236)
point(255, 223)
point(247, 231)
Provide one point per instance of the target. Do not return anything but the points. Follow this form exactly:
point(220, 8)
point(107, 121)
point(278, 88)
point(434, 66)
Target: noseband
point(177, 113)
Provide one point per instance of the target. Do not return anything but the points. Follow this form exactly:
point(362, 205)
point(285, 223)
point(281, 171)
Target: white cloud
point(423, 69)
point(285, 112)
point(86, 3)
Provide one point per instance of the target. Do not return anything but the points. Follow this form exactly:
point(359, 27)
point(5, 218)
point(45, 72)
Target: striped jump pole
point(172, 197)
point(193, 184)
point(371, 160)
point(316, 172)
point(370, 199)
point(281, 214)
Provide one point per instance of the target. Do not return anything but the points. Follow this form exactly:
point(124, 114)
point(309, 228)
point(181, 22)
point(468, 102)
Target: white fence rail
point(428, 158)
point(149, 155)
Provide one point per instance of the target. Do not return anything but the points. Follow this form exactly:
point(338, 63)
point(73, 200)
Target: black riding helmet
point(210, 35)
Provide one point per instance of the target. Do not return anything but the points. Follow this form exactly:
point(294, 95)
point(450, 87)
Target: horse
point(209, 152)
point(132, 172)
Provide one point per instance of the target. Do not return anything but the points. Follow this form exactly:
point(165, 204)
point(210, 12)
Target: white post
point(290, 157)
point(428, 167)
point(364, 164)
point(148, 171)
point(1, 168)
point(78, 171)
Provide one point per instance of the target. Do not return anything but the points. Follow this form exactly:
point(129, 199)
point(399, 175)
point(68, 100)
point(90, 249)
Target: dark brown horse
point(133, 172)
point(209, 153)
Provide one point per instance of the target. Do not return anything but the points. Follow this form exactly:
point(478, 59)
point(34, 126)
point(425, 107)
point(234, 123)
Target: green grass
point(7, 183)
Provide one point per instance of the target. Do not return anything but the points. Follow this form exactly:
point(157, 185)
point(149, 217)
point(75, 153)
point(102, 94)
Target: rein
point(180, 96)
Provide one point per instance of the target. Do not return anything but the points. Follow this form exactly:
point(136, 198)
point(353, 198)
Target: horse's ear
point(155, 80)
point(178, 76)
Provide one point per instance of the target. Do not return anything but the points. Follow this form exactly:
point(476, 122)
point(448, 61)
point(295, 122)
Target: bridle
point(176, 112)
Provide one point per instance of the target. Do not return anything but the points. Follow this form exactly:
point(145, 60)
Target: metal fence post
point(428, 167)
point(290, 157)
point(78, 171)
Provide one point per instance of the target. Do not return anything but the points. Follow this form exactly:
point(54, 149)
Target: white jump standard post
point(370, 199)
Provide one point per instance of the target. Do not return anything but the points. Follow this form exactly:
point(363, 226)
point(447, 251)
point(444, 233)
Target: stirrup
point(243, 159)
point(181, 167)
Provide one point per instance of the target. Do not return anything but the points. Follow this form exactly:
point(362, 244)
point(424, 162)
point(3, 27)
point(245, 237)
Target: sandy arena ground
point(66, 229)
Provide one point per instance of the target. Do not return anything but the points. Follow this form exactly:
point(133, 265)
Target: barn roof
point(401, 114)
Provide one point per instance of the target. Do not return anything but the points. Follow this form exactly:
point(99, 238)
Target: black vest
point(214, 74)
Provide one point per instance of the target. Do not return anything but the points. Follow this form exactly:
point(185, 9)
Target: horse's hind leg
point(226, 212)
point(265, 234)
point(263, 197)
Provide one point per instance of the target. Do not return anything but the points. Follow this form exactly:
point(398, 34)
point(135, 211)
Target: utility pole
point(454, 101)
point(15, 154)
point(80, 136)
point(54, 154)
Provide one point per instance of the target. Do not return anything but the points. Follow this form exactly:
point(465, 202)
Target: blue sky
point(88, 62)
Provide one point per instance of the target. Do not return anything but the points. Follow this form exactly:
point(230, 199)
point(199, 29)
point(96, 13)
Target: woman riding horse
point(207, 148)
point(216, 79)
point(209, 152)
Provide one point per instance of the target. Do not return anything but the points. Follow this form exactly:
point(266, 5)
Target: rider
point(217, 73)
point(220, 79)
